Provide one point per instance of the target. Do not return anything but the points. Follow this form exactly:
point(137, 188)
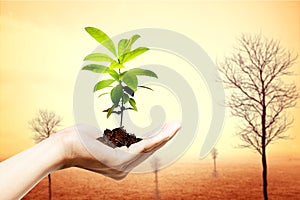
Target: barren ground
point(182, 180)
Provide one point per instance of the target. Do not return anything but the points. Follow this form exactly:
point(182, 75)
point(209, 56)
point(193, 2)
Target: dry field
point(182, 180)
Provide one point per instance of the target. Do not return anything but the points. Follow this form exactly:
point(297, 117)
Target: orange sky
point(42, 45)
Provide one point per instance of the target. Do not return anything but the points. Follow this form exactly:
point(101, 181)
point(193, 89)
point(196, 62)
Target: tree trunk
point(49, 186)
point(263, 147)
point(215, 166)
point(156, 186)
point(264, 173)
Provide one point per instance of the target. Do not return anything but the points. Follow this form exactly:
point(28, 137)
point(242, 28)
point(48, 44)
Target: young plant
point(123, 83)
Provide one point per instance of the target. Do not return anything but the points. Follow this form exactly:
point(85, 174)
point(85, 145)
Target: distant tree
point(214, 154)
point(155, 166)
point(258, 73)
point(44, 125)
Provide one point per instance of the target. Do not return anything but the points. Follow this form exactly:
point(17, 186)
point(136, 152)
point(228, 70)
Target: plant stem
point(122, 104)
point(122, 109)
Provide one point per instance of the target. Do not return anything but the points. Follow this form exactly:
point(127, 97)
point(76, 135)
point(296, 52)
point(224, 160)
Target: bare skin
point(20, 173)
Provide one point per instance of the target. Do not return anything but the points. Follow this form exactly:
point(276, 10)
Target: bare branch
point(44, 124)
point(260, 96)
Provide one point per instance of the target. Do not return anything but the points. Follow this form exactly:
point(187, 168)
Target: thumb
point(166, 133)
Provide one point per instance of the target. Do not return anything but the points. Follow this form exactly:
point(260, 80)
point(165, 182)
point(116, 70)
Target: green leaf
point(122, 74)
point(130, 42)
point(115, 64)
point(116, 94)
point(98, 57)
point(102, 38)
point(142, 72)
point(133, 104)
point(109, 111)
point(125, 98)
point(102, 70)
point(103, 84)
point(102, 94)
point(121, 46)
point(132, 54)
point(96, 68)
point(130, 80)
point(113, 73)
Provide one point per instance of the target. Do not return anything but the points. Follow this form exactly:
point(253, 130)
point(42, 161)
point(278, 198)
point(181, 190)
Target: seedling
point(123, 83)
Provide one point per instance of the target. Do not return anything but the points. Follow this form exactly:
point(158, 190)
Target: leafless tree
point(44, 125)
point(155, 166)
point(258, 75)
point(214, 154)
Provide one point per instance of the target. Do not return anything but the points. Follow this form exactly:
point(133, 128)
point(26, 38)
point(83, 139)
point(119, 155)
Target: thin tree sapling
point(123, 83)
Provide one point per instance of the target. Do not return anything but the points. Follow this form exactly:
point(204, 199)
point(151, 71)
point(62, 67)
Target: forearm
point(23, 171)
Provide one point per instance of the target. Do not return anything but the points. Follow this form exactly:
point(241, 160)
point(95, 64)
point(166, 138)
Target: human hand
point(84, 151)
point(76, 146)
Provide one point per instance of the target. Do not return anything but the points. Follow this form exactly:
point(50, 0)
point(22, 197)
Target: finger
point(154, 132)
point(139, 158)
point(136, 161)
point(109, 172)
point(138, 152)
point(165, 134)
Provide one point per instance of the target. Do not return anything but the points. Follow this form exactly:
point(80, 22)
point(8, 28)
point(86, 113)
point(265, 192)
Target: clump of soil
point(118, 137)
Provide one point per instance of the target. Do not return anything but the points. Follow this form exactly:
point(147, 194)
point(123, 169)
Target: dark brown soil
point(118, 137)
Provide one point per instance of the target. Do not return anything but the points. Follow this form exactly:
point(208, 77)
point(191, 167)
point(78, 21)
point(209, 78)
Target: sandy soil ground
point(182, 180)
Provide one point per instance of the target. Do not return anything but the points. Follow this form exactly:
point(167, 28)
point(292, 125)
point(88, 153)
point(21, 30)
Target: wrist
point(74, 153)
point(56, 154)
point(65, 156)
point(70, 147)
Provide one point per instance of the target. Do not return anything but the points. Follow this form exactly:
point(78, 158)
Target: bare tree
point(214, 154)
point(258, 73)
point(155, 166)
point(44, 125)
